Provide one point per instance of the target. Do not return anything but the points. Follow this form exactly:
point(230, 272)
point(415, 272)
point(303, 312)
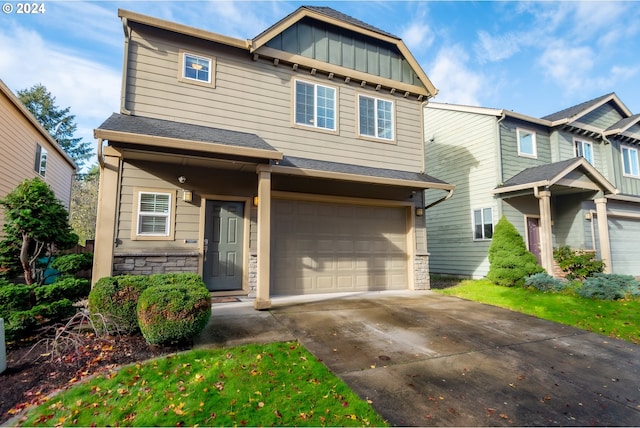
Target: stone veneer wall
point(421, 272)
point(148, 264)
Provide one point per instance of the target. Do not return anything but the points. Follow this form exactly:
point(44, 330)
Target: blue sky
point(534, 58)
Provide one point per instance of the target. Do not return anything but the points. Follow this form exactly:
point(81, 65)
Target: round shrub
point(173, 313)
point(116, 299)
point(611, 286)
point(544, 282)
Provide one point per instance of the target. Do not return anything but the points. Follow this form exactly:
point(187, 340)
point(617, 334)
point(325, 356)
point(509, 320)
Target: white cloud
point(568, 66)
point(458, 84)
point(496, 48)
point(417, 36)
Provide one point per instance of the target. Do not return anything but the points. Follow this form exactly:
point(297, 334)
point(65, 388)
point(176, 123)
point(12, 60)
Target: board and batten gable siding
point(18, 141)
point(512, 163)
point(257, 97)
point(460, 149)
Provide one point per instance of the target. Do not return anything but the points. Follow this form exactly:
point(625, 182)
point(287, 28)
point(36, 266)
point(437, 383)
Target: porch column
point(603, 233)
point(106, 215)
point(264, 241)
point(546, 237)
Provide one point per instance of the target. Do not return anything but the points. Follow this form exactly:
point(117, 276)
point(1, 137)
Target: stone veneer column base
point(421, 272)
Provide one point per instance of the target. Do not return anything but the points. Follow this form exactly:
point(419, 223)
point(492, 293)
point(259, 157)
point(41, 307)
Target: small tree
point(36, 224)
point(510, 261)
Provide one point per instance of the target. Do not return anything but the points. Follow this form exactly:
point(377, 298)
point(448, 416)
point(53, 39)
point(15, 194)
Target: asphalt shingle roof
point(346, 18)
point(539, 173)
point(572, 111)
point(357, 170)
point(183, 131)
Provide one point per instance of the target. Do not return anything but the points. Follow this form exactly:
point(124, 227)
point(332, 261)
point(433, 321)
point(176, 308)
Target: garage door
point(624, 235)
point(321, 247)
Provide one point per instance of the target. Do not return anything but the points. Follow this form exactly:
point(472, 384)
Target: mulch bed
point(33, 372)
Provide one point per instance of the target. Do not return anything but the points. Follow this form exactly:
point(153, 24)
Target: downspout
point(100, 154)
point(499, 157)
point(447, 196)
point(125, 66)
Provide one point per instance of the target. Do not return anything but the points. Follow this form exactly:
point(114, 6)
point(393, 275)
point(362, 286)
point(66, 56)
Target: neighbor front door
point(223, 245)
point(533, 237)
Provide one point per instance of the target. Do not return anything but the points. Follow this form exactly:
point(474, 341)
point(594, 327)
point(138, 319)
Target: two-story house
point(289, 163)
point(569, 178)
point(28, 151)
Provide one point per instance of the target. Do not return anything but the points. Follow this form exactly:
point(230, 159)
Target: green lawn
point(618, 318)
point(256, 385)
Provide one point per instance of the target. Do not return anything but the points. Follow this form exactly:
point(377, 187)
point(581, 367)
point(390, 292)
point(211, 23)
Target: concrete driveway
point(427, 359)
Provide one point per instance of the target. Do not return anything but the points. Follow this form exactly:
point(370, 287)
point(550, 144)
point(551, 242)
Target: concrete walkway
point(427, 359)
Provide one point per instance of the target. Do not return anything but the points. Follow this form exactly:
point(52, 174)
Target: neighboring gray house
point(285, 164)
point(570, 178)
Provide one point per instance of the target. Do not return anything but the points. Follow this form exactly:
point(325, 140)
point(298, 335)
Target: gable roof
point(164, 133)
point(622, 130)
point(4, 89)
point(573, 113)
point(552, 173)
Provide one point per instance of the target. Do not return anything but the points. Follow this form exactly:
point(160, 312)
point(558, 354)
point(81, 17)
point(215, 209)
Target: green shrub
point(577, 264)
point(65, 288)
point(604, 286)
point(173, 313)
point(509, 261)
point(116, 298)
point(21, 324)
point(70, 264)
point(544, 282)
point(13, 297)
point(175, 278)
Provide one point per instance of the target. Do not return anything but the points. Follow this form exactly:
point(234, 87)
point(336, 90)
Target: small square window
point(526, 143)
point(482, 224)
point(315, 105)
point(630, 161)
point(195, 68)
point(40, 165)
point(375, 117)
point(584, 149)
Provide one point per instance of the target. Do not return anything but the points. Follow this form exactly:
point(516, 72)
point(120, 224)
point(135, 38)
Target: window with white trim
point(482, 224)
point(630, 161)
point(40, 165)
point(584, 149)
point(375, 117)
point(154, 214)
point(315, 105)
point(197, 68)
point(526, 143)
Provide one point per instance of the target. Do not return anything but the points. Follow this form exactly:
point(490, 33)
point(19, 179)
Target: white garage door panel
point(624, 235)
point(320, 248)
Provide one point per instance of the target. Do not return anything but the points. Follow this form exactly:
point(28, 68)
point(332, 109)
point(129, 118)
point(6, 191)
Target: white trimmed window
point(154, 214)
point(315, 105)
point(40, 165)
point(584, 149)
point(630, 161)
point(375, 117)
point(482, 224)
point(526, 143)
point(196, 68)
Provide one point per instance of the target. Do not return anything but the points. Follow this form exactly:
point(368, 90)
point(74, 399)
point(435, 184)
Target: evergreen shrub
point(173, 313)
point(544, 282)
point(509, 260)
point(69, 264)
point(74, 289)
point(21, 324)
point(13, 297)
point(175, 278)
point(577, 264)
point(605, 286)
point(116, 299)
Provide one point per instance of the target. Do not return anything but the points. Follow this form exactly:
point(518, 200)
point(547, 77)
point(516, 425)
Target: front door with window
point(533, 237)
point(223, 245)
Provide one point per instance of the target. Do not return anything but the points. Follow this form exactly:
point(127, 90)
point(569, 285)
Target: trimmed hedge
point(69, 264)
point(116, 299)
point(173, 313)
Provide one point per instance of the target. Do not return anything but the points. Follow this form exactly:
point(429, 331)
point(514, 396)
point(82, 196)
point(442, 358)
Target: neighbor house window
point(195, 68)
point(154, 214)
point(527, 143)
point(630, 161)
point(315, 105)
point(483, 224)
point(375, 117)
point(40, 165)
point(584, 149)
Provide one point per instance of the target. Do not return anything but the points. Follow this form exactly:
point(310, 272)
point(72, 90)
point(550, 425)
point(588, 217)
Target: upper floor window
point(40, 165)
point(584, 149)
point(196, 68)
point(315, 105)
point(526, 143)
point(375, 117)
point(483, 224)
point(154, 214)
point(630, 161)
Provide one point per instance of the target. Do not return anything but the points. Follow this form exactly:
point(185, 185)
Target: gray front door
point(223, 245)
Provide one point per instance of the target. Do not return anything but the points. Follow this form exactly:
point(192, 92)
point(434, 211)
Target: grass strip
point(612, 318)
point(255, 385)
